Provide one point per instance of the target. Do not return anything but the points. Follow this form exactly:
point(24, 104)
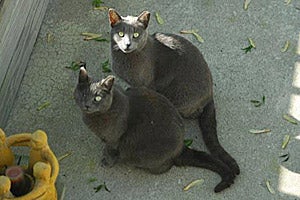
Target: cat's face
point(129, 33)
point(93, 96)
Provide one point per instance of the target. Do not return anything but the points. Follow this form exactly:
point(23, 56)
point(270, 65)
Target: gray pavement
point(238, 77)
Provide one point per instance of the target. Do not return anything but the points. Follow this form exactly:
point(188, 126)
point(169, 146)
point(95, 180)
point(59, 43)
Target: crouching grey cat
point(170, 65)
point(140, 128)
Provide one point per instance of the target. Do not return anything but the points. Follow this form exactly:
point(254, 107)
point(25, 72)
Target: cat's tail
point(190, 157)
point(208, 125)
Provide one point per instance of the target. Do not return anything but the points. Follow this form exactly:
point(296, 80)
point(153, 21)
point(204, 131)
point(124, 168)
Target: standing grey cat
point(141, 128)
point(170, 65)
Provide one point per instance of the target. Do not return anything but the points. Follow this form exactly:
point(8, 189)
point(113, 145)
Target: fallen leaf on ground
point(158, 18)
point(43, 106)
point(192, 184)
point(258, 103)
point(99, 187)
point(287, 2)
point(63, 193)
point(64, 156)
point(97, 3)
point(250, 47)
point(106, 66)
point(251, 42)
point(290, 119)
point(285, 141)
point(93, 36)
point(188, 142)
point(255, 131)
point(286, 46)
point(49, 37)
point(91, 180)
point(193, 32)
point(75, 65)
point(246, 4)
point(270, 188)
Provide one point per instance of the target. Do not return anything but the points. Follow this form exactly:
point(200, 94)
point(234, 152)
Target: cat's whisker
point(116, 47)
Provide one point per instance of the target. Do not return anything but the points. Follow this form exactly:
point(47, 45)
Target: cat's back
point(149, 101)
point(149, 109)
point(155, 130)
point(174, 43)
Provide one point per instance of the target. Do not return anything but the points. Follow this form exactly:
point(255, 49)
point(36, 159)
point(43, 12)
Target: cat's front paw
point(110, 157)
point(107, 163)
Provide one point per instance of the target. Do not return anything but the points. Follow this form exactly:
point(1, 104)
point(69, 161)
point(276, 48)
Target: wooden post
point(20, 22)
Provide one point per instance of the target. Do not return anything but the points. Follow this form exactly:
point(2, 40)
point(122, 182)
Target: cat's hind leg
point(208, 125)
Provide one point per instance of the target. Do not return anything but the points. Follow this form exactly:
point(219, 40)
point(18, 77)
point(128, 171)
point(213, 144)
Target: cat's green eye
point(135, 35)
point(121, 34)
point(98, 98)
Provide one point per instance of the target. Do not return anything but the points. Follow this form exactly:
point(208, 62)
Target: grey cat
point(170, 65)
point(140, 128)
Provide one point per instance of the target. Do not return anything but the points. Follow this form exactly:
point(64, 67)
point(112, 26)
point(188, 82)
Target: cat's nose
point(128, 45)
point(87, 107)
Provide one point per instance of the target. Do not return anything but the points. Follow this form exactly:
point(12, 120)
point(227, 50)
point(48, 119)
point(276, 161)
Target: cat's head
point(129, 33)
point(93, 96)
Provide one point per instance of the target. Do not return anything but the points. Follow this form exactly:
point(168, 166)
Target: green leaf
point(251, 42)
point(258, 103)
point(290, 119)
point(64, 156)
point(250, 47)
point(91, 180)
point(198, 37)
point(100, 39)
point(74, 66)
point(97, 3)
point(193, 184)
point(43, 106)
point(247, 49)
point(50, 37)
point(106, 66)
point(93, 36)
point(246, 4)
point(99, 187)
point(270, 188)
point(287, 2)
point(188, 142)
point(193, 32)
point(158, 18)
point(285, 141)
point(286, 46)
point(254, 131)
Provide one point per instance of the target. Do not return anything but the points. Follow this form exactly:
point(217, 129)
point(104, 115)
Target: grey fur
point(172, 66)
point(141, 128)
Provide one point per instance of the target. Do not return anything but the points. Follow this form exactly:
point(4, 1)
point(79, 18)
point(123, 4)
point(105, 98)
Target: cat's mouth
point(87, 111)
point(127, 50)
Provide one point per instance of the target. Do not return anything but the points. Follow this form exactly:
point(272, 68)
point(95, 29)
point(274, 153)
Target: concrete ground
point(238, 76)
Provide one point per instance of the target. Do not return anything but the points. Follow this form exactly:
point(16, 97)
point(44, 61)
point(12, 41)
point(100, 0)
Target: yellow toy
point(43, 165)
point(7, 157)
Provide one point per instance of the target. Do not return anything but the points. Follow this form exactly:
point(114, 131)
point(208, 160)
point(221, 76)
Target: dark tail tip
point(222, 186)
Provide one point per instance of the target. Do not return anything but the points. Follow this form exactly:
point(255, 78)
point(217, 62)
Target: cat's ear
point(108, 82)
point(144, 18)
point(83, 76)
point(114, 17)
